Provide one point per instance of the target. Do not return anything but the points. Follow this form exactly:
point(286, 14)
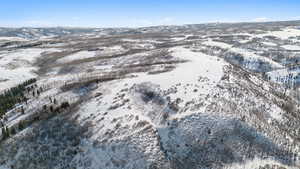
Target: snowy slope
point(17, 67)
point(211, 96)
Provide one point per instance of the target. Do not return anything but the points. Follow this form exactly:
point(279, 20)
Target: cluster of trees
point(18, 94)
point(13, 96)
point(5, 133)
point(8, 132)
point(56, 109)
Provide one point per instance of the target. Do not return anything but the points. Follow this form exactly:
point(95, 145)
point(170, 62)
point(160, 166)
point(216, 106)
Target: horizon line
point(139, 27)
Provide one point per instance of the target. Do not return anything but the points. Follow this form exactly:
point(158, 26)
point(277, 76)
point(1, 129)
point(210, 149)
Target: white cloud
point(261, 19)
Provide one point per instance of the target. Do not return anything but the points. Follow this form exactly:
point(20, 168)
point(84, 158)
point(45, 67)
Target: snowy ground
point(291, 47)
point(17, 66)
point(282, 34)
point(187, 97)
point(77, 56)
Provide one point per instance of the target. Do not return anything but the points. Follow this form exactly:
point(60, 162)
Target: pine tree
point(14, 95)
point(21, 125)
point(51, 109)
point(25, 100)
point(22, 110)
point(57, 110)
point(54, 101)
point(7, 132)
point(45, 107)
point(13, 131)
point(65, 105)
point(3, 133)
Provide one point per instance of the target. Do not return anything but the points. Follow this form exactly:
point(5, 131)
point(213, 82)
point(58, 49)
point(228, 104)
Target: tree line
point(14, 95)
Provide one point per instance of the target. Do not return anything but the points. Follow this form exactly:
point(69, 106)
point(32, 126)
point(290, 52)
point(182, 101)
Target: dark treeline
point(13, 96)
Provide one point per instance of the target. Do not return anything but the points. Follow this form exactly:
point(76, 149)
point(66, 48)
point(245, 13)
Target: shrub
point(65, 105)
point(13, 131)
point(21, 125)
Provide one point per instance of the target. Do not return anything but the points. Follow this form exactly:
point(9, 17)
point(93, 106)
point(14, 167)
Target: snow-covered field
point(78, 56)
point(291, 47)
point(17, 66)
point(282, 34)
point(191, 97)
point(270, 44)
point(12, 39)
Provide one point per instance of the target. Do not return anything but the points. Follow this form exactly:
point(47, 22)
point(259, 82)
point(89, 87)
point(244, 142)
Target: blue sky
point(134, 13)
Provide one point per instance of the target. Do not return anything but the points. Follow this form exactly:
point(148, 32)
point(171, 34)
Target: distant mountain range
point(35, 33)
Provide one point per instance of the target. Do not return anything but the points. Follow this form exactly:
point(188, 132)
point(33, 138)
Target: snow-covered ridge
point(177, 97)
point(246, 54)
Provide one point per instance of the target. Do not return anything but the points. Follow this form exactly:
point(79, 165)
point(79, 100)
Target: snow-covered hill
point(215, 96)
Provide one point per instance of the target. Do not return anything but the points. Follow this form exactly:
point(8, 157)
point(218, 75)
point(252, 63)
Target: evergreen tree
point(25, 100)
point(21, 125)
point(51, 109)
point(13, 131)
point(22, 110)
point(7, 132)
point(65, 105)
point(45, 107)
point(3, 133)
point(14, 95)
point(54, 101)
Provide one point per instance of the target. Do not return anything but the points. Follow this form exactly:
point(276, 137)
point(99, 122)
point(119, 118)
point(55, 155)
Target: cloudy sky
point(137, 13)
